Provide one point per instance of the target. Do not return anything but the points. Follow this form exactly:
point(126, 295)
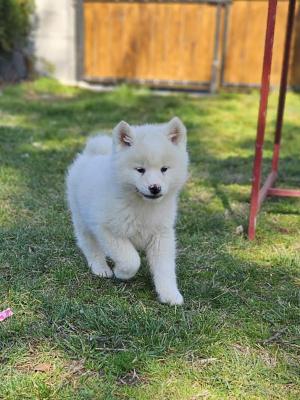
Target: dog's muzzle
point(149, 196)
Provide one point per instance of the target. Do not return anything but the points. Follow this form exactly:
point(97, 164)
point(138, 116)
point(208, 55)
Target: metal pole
point(264, 94)
point(283, 83)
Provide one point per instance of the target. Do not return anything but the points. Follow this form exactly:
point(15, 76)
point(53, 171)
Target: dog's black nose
point(154, 189)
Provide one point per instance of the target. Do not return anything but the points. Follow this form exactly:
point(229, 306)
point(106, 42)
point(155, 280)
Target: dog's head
point(151, 160)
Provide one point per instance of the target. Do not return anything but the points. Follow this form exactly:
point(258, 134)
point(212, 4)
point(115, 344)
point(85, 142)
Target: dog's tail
point(97, 145)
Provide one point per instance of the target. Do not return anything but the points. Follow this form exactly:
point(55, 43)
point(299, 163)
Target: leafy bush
point(14, 23)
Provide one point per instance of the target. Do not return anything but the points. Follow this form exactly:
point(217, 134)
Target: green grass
point(236, 337)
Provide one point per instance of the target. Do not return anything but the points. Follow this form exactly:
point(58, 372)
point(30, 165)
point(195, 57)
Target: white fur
point(111, 216)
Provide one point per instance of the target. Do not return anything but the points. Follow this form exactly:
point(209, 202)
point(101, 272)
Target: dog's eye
point(141, 170)
point(164, 169)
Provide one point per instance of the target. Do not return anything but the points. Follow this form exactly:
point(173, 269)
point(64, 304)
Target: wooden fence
point(174, 43)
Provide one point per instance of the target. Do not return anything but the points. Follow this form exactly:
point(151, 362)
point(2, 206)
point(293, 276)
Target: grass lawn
point(75, 336)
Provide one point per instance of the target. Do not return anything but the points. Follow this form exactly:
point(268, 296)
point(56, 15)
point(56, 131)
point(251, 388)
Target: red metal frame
point(259, 194)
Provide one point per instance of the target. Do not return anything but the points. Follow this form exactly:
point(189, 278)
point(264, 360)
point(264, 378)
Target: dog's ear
point(122, 135)
point(176, 131)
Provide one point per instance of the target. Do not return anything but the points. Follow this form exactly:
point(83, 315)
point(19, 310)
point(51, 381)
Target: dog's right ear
point(122, 135)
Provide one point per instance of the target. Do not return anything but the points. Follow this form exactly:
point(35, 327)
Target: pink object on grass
point(5, 314)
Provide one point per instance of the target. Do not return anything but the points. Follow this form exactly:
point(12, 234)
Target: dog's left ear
point(176, 131)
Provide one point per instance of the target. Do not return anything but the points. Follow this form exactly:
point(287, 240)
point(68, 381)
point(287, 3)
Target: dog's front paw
point(173, 298)
point(127, 269)
point(124, 274)
point(101, 270)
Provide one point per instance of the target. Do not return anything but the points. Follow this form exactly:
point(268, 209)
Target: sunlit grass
point(236, 337)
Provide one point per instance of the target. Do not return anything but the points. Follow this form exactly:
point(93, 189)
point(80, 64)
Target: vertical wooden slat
point(295, 53)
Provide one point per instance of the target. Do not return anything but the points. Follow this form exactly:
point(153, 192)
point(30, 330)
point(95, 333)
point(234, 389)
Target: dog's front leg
point(161, 257)
point(121, 251)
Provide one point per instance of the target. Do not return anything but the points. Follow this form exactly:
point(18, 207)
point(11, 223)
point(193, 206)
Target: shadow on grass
point(58, 300)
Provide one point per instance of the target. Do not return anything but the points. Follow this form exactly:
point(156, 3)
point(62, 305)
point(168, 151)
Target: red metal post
point(264, 94)
point(258, 195)
point(283, 83)
point(284, 192)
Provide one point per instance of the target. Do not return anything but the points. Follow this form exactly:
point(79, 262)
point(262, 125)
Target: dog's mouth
point(152, 196)
point(149, 196)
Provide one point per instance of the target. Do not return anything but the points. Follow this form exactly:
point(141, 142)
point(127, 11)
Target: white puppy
point(123, 196)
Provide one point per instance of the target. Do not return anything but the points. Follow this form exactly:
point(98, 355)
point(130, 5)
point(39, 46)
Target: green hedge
point(14, 23)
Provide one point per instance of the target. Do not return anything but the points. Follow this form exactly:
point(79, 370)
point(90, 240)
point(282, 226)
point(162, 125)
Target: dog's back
point(98, 145)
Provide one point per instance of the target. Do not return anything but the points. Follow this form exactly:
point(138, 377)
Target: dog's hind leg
point(92, 251)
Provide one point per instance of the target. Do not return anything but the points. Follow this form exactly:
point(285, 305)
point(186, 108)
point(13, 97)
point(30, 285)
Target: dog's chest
point(140, 225)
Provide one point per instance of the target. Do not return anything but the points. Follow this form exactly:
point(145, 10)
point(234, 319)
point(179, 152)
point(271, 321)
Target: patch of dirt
point(132, 378)
point(204, 394)
point(44, 367)
point(267, 358)
point(76, 367)
point(245, 350)
point(200, 362)
point(261, 353)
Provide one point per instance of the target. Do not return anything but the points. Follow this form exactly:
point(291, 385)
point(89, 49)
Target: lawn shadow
point(231, 295)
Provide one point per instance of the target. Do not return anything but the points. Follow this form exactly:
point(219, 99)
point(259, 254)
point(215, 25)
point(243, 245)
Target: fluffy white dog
point(123, 196)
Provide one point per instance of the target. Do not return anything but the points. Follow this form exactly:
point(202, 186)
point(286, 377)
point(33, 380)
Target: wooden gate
point(176, 44)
